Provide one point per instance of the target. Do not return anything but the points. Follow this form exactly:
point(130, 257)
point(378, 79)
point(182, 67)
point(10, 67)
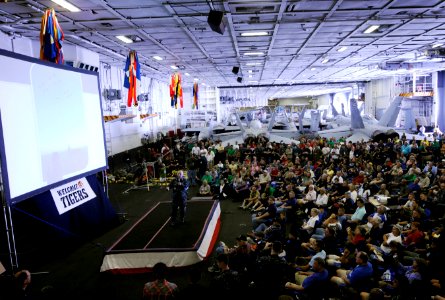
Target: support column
point(441, 100)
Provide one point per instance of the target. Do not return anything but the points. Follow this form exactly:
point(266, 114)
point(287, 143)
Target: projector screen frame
point(5, 180)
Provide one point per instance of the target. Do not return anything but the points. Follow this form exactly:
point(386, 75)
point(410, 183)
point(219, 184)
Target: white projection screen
point(52, 128)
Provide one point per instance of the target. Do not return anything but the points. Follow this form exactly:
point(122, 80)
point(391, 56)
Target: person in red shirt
point(414, 237)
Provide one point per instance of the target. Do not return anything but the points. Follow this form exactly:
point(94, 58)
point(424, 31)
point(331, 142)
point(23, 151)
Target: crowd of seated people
point(333, 216)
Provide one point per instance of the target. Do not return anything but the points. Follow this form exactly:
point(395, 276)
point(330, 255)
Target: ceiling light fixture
point(253, 64)
point(436, 45)
point(342, 49)
point(196, 79)
point(253, 53)
point(187, 74)
point(250, 71)
point(157, 57)
point(174, 67)
point(313, 69)
point(124, 39)
point(372, 28)
point(66, 5)
point(255, 33)
point(325, 61)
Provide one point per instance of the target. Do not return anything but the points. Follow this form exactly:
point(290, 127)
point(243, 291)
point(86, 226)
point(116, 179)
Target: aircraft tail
point(389, 118)
point(356, 119)
point(272, 120)
point(238, 122)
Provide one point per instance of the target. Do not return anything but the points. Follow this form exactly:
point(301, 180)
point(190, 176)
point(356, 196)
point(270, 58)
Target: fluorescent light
point(174, 67)
point(255, 33)
point(253, 81)
point(436, 45)
point(372, 28)
point(325, 61)
point(250, 71)
point(313, 69)
point(196, 79)
point(67, 5)
point(157, 57)
point(203, 83)
point(124, 39)
point(250, 76)
point(253, 64)
point(342, 49)
point(187, 74)
point(253, 53)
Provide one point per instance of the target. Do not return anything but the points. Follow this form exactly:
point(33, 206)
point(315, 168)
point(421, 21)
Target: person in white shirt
point(335, 152)
point(311, 196)
point(195, 150)
point(264, 177)
point(394, 235)
point(322, 198)
point(354, 193)
point(312, 222)
point(424, 181)
point(325, 150)
point(337, 176)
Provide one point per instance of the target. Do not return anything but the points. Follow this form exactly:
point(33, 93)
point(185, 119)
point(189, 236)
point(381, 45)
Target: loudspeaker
point(235, 70)
point(239, 79)
point(215, 20)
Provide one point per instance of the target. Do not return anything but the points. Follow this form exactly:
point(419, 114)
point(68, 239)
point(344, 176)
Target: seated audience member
point(358, 278)
point(204, 189)
point(222, 191)
point(310, 283)
point(394, 235)
point(357, 236)
point(307, 263)
point(322, 198)
point(266, 216)
point(253, 197)
point(359, 213)
point(307, 229)
point(378, 216)
point(414, 236)
point(347, 259)
point(160, 288)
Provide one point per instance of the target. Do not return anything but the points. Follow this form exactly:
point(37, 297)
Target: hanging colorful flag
point(195, 95)
point(132, 73)
point(51, 37)
point(176, 91)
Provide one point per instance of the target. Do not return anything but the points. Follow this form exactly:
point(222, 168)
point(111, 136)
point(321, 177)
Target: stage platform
point(151, 239)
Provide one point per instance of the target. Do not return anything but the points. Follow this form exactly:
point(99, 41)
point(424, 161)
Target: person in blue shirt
point(357, 278)
point(310, 282)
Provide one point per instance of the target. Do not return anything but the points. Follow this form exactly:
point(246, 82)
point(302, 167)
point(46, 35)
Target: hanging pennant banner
point(72, 194)
point(132, 74)
point(195, 96)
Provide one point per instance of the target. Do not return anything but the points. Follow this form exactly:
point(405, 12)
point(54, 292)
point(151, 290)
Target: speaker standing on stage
point(179, 187)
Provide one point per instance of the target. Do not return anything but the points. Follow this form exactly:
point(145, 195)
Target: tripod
point(146, 176)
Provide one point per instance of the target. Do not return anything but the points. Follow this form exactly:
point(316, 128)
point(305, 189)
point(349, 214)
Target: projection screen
point(52, 128)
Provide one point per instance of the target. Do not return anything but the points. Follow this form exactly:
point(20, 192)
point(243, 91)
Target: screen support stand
point(9, 232)
point(105, 182)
